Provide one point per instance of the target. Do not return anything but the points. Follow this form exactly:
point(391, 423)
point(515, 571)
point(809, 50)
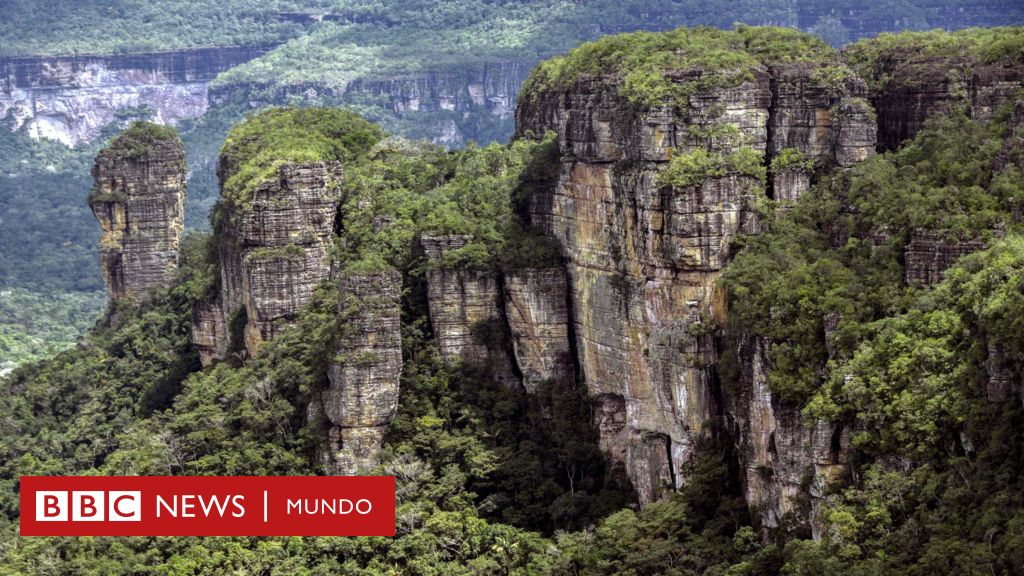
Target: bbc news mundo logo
point(89, 506)
point(207, 506)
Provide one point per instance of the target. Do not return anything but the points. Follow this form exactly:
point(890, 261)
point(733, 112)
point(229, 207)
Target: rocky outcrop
point(363, 395)
point(71, 98)
point(209, 331)
point(536, 306)
point(929, 255)
point(272, 251)
point(447, 106)
point(819, 117)
point(911, 85)
point(139, 199)
point(787, 462)
point(644, 256)
point(466, 311)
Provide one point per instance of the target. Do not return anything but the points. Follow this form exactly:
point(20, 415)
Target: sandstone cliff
point(71, 98)
point(466, 311)
point(363, 395)
point(912, 78)
point(272, 250)
point(139, 199)
point(645, 241)
point(536, 306)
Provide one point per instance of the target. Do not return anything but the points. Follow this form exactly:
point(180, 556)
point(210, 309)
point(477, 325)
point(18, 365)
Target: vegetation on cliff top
point(263, 142)
point(935, 52)
point(658, 68)
point(138, 139)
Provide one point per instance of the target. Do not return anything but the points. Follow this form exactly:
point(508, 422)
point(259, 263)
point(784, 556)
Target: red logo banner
point(207, 505)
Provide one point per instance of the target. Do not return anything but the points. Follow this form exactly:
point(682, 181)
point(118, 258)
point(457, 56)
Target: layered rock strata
point(139, 199)
point(272, 251)
point(209, 331)
point(787, 462)
point(364, 378)
point(466, 311)
point(536, 306)
point(643, 258)
point(929, 255)
point(911, 86)
point(71, 98)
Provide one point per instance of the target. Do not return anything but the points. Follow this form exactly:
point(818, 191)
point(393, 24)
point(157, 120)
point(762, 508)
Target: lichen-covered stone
point(139, 199)
point(364, 378)
point(466, 311)
point(536, 306)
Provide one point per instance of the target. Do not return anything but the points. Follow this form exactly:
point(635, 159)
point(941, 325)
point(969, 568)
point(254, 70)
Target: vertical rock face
point(363, 396)
point(825, 122)
point(466, 311)
point(929, 255)
point(272, 251)
point(912, 85)
point(139, 199)
point(209, 331)
point(536, 306)
point(779, 451)
point(71, 98)
point(644, 258)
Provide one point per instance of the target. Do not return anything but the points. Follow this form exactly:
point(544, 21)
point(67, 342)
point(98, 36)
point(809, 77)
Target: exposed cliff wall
point(646, 241)
point(536, 307)
point(139, 199)
point(70, 98)
point(363, 395)
point(466, 311)
point(447, 106)
point(912, 79)
point(787, 463)
point(272, 252)
point(928, 255)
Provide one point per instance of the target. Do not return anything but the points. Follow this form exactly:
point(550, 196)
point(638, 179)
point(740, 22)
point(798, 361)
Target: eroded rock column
point(273, 251)
point(363, 395)
point(139, 199)
point(466, 311)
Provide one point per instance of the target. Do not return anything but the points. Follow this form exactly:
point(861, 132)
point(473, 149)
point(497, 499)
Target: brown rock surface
point(466, 311)
point(139, 199)
point(363, 394)
point(273, 247)
point(536, 306)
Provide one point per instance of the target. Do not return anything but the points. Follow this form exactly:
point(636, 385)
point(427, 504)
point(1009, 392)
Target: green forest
point(482, 487)
point(921, 381)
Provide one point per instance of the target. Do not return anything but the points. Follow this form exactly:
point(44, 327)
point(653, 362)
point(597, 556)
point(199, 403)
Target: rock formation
point(71, 98)
point(911, 84)
point(644, 258)
point(209, 331)
point(778, 450)
point(363, 395)
point(536, 306)
point(272, 252)
point(466, 311)
point(139, 199)
point(928, 255)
